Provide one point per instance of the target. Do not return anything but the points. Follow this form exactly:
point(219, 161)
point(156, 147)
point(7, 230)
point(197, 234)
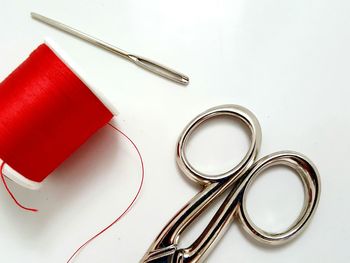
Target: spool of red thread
point(47, 110)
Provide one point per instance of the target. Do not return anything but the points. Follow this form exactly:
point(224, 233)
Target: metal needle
point(139, 61)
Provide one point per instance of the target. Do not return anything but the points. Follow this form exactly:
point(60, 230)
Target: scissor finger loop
point(311, 182)
point(234, 111)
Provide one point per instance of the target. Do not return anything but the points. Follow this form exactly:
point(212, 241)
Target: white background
point(287, 61)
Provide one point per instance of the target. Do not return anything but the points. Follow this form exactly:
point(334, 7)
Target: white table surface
point(287, 61)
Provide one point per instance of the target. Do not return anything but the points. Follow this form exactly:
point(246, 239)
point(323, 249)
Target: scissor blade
point(166, 259)
point(165, 255)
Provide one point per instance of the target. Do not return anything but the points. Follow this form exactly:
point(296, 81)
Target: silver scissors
point(165, 248)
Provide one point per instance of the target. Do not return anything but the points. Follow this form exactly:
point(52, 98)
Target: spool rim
point(18, 178)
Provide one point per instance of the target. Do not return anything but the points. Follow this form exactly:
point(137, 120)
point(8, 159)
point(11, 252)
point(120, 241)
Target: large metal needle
point(139, 61)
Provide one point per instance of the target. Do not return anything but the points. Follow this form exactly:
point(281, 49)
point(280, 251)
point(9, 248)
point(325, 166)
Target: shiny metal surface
point(139, 61)
point(238, 179)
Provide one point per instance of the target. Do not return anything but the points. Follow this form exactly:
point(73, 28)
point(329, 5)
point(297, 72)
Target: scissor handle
point(235, 111)
point(311, 182)
point(235, 204)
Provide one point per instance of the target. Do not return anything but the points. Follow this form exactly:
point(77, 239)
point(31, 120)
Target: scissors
point(165, 248)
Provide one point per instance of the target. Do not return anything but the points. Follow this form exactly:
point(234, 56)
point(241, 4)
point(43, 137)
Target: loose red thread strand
point(129, 206)
point(11, 194)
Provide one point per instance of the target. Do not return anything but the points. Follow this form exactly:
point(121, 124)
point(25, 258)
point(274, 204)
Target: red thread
point(46, 113)
point(131, 203)
point(11, 194)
